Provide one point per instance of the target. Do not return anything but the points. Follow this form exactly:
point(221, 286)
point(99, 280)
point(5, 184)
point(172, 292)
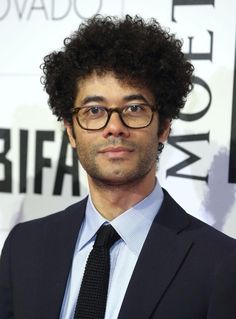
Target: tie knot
point(106, 236)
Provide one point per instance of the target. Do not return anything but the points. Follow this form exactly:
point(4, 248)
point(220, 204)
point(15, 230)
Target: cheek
point(85, 148)
point(81, 149)
point(82, 154)
point(147, 143)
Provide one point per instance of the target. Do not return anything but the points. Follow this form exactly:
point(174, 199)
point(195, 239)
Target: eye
point(94, 111)
point(135, 109)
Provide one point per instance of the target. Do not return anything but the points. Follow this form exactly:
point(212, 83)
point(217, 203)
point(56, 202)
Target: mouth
point(116, 152)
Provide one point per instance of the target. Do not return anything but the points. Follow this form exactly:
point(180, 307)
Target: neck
point(112, 200)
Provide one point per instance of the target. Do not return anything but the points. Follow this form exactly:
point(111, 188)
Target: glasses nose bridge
point(116, 110)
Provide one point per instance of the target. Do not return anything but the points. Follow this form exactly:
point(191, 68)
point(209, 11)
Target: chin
point(118, 180)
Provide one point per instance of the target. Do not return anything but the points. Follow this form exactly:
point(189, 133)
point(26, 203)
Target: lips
point(115, 152)
point(116, 149)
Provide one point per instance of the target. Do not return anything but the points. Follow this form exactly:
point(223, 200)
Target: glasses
point(97, 117)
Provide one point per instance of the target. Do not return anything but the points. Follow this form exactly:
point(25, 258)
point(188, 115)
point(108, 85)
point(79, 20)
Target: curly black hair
point(137, 51)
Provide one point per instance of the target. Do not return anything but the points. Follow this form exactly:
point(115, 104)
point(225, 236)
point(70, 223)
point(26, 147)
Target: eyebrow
point(92, 98)
point(98, 98)
point(132, 97)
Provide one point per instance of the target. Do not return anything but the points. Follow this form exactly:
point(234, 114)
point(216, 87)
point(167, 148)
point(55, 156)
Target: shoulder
point(188, 226)
point(65, 219)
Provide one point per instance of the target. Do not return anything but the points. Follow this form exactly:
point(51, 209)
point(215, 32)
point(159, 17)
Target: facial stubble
point(118, 173)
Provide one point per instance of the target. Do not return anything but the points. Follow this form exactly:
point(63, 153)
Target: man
point(117, 85)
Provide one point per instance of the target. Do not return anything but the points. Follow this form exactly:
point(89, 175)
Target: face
point(116, 154)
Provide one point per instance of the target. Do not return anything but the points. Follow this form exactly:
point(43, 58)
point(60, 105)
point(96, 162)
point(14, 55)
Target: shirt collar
point(133, 225)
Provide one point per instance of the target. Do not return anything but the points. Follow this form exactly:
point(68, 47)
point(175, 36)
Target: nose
point(115, 127)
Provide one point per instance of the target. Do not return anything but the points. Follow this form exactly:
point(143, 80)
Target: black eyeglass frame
point(109, 111)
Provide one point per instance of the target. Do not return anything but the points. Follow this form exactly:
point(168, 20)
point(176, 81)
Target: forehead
point(110, 88)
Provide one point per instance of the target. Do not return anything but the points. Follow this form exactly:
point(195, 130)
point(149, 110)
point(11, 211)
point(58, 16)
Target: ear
point(164, 130)
point(69, 129)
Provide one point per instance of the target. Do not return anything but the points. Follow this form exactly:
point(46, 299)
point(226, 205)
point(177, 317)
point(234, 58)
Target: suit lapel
point(60, 239)
point(160, 259)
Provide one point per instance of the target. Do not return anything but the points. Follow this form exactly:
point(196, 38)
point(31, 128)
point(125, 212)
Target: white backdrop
point(198, 164)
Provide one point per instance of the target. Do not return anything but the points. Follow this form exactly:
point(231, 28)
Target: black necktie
point(91, 303)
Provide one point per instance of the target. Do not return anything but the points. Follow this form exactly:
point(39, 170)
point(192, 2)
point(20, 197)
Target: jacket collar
point(60, 238)
point(159, 261)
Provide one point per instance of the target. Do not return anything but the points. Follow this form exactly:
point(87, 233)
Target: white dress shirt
point(133, 226)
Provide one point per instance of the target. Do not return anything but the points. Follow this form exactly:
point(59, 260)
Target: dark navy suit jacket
point(186, 269)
